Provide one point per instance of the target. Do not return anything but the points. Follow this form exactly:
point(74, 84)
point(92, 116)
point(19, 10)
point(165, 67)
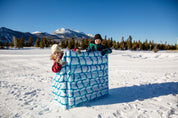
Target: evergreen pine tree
point(111, 43)
point(66, 43)
point(83, 44)
point(17, 43)
point(77, 44)
point(7, 44)
point(105, 37)
point(89, 41)
point(176, 45)
point(122, 44)
point(151, 45)
point(108, 43)
point(86, 43)
point(134, 45)
point(27, 44)
point(30, 41)
point(53, 42)
point(22, 43)
point(12, 43)
point(168, 47)
point(63, 44)
point(47, 42)
point(1, 45)
point(116, 45)
point(145, 45)
point(42, 43)
point(140, 46)
point(105, 42)
point(71, 44)
point(37, 43)
point(129, 42)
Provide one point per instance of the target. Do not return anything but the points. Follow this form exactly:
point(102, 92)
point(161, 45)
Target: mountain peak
point(58, 35)
point(4, 29)
point(69, 33)
point(61, 30)
point(65, 30)
point(36, 32)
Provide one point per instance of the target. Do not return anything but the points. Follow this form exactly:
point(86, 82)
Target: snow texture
point(142, 84)
point(84, 78)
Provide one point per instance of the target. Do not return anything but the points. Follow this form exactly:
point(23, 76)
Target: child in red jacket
point(57, 56)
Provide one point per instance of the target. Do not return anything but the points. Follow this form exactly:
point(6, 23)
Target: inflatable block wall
point(83, 78)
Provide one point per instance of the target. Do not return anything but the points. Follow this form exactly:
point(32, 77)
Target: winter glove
point(62, 63)
point(88, 50)
point(58, 60)
point(78, 51)
point(103, 52)
point(93, 49)
point(109, 50)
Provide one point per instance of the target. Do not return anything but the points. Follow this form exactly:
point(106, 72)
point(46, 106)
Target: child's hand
point(57, 60)
point(62, 63)
point(103, 52)
point(78, 51)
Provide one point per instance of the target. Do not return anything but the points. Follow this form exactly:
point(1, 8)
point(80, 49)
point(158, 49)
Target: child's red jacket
point(56, 67)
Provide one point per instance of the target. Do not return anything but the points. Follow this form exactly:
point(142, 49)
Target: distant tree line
point(71, 44)
point(20, 43)
point(128, 44)
point(138, 45)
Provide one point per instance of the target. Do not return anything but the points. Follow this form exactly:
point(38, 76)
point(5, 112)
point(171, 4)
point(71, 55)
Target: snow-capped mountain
point(58, 35)
point(91, 35)
point(69, 33)
point(46, 35)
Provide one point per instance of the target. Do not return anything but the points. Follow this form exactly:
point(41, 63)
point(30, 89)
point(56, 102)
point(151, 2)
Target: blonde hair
point(52, 57)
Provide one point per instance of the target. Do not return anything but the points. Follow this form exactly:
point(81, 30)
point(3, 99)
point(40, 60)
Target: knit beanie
point(98, 36)
point(55, 48)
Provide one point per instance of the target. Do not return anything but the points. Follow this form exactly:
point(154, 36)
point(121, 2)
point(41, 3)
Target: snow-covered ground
point(142, 84)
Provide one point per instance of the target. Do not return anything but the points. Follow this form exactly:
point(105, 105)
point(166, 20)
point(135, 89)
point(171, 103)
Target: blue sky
point(155, 20)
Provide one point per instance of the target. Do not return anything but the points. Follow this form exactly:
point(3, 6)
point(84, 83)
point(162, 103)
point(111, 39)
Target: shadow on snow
point(142, 92)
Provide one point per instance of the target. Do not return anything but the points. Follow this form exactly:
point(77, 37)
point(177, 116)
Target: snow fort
point(83, 78)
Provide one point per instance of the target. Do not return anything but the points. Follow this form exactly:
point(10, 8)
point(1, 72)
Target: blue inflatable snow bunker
point(83, 78)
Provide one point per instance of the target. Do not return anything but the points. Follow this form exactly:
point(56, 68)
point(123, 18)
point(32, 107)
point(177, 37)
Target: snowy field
point(142, 85)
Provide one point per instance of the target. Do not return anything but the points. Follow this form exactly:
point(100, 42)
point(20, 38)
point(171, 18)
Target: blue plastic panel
point(84, 78)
